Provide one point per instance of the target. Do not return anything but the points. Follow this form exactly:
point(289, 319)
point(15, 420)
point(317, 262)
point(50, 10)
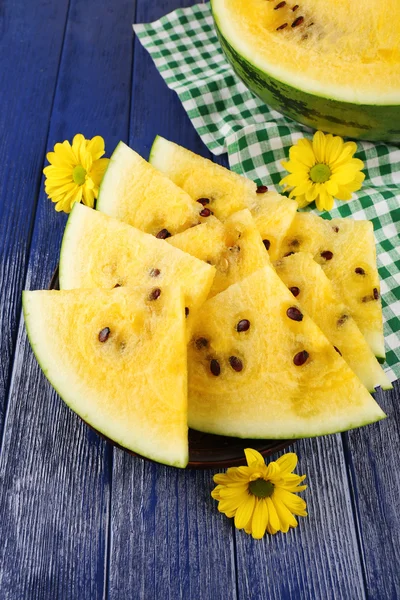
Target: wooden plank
point(320, 559)
point(168, 541)
point(31, 39)
point(373, 462)
point(55, 473)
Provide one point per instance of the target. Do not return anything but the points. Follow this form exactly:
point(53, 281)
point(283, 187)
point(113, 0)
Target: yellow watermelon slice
point(101, 252)
point(135, 192)
point(118, 359)
point(345, 248)
point(222, 191)
point(259, 368)
point(314, 291)
point(273, 215)
point(235, 248)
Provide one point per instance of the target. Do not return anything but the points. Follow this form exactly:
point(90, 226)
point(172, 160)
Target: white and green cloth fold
point(229, 118)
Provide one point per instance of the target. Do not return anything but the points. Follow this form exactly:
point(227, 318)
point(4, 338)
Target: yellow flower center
point(320, 173)
point(79, 175)
point(261, 488)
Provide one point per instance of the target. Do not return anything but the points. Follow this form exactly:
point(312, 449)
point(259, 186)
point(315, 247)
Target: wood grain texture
point(168, 540)
point(372, 455)
point(55, 473)
point(31, 38)
point(319, 559)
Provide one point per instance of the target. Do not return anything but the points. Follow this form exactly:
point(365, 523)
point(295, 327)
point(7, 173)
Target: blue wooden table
point(81, 520)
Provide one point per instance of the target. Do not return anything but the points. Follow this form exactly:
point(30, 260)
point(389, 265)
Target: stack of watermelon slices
point(192, 297)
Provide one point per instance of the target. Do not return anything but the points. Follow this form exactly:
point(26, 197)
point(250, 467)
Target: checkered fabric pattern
point(229, 118)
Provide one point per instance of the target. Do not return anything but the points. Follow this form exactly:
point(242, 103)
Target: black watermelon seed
point(337, 350)
point(289, 254)
point(163, 234)
point(294, 313)
point(243, 325)
point(104, 334)
point(236, 363)
point(117, 285)
point(267, 244)
point(300, 358)
point(295, 291)
point(261, 189)
point(335, 228)
point(206, 212)
point(298, 21)
point(342, 320)
point(201, 342)
point(186, 311)
point(327, 255)
point(280, 5)
point(294, 243)
point(215, 367)
point(203, 201)
point(376, 294)
point(154, 294)
point(359, 271)
point(295, 7)
point(283, 26)
point(154, 272)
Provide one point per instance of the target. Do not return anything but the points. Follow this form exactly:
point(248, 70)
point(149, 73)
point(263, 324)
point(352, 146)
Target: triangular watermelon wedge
point(101, 252)
point(118, 359)
point(345, 249)
point(234, 247)
point(315, 293)
point(258, 368)
point(134, 191)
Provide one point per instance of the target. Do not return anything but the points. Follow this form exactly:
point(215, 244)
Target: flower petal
point(318, 145)
point(294, 503)
point(333, 149)
point(95, 147)
point(244, 512)
point(260, 519)
point(331, 187)
point(286, 518)
point(349, 148)
point(303, 152)
point(273, 519)
point(311, 193)
point(324, 201)
point(287, 462)
point(254, 458)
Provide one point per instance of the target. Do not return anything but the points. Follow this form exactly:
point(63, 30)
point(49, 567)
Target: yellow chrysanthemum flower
point(322, 170)
point(75, 172)
point(260, 497)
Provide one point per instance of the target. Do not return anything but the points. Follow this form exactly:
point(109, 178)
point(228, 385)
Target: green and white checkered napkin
point(229, 118)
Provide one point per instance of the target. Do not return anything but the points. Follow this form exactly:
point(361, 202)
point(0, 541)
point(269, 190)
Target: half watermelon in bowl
point(334, 66)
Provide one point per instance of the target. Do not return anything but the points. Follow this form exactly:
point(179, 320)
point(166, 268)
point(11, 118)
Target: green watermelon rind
point(363, 121)
point(67, 394)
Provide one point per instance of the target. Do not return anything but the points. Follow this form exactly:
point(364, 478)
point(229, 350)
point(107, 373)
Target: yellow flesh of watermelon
point(270, 397)
point(314, 292)
point(235, 248)
point(351, 268)
point(134, 192)
point(131, 387)
point(201, 178)
point(341, 49)
point(273, 215)
point(101, 252)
